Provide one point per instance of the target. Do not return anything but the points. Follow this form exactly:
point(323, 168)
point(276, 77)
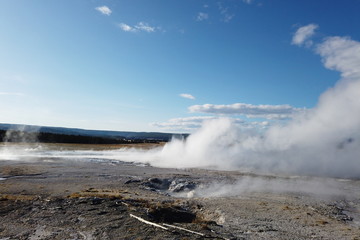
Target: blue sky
point(123, 65)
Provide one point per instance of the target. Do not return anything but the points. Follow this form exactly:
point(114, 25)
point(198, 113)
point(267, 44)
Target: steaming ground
point(57, 191)
point(321, 187)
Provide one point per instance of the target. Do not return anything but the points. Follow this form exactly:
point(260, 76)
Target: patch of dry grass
point(17, 197)
point(100, 193)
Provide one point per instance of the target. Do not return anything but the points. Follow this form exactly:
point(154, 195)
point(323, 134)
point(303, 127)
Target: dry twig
point(184, 229)
point(148, 222)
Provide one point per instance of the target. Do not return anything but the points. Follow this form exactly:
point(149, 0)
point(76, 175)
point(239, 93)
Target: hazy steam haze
point(321, 187)
point(322, 141)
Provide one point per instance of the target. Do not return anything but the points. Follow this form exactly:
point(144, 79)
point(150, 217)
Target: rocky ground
point(67, 199)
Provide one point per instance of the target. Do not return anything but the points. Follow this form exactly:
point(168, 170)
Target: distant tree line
point(44, 137)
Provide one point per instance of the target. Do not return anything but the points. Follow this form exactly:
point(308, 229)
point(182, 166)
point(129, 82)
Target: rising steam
point(324, 141)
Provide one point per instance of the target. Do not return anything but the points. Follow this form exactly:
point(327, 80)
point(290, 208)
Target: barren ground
point(49, 198)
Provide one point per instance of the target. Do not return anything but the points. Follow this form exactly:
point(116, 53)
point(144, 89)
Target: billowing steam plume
point(324, 141)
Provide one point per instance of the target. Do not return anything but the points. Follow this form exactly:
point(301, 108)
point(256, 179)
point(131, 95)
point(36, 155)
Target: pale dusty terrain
point(50, 198)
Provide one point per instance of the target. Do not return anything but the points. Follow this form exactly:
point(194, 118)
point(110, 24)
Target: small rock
point(182, 185)
point(132, 181)
point(96, 201)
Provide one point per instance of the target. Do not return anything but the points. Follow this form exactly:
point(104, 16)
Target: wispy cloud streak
point(224, 11)
point(186, 95)
point(249, 110)
point(140, 27)
point(104, 10)
point(303, 35)
point(194, 123)
point(202, 16)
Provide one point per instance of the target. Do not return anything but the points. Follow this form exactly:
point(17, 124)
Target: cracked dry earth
point(68, 199)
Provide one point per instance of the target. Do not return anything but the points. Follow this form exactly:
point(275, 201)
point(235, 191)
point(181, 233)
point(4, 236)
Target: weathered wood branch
point(184, 229)
point(148, 222)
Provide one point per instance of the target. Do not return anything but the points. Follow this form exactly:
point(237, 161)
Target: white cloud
point(341, 54)
point(143, 26)
point(249, 110)
point(126, 28)
point(183, 124)
point(186, 95)
point(303, 34)
point(104, 10)
point(248, 1)
point(228, 17)
point(189, 124)
point(224, 11)
point(140, 27)
point(202, 16)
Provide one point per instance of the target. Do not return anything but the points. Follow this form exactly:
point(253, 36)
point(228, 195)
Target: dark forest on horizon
point(44, 137)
